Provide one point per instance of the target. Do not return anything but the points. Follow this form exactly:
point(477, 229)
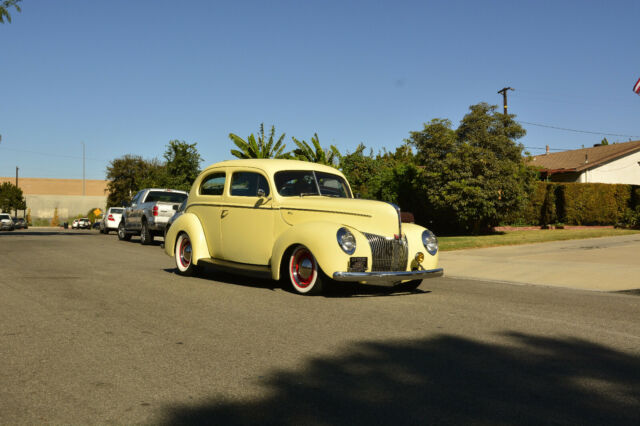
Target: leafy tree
point(261, 148)
point(126, 176)
point(182, 164)
point(4, 9)
point(473, 176)
point(11, 198)
point(604, 142)
point(316, 154)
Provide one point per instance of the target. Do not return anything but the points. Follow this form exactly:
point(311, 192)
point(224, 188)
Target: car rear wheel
point(304, 273)
point(146, 237)
point(122, 235)
point(184, 256)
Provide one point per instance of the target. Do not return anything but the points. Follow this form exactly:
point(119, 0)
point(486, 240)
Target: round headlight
point(430, 242)
point(346, 240)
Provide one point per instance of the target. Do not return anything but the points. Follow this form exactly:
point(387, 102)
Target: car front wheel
point(184, 256)
point(122, 235)
point(304, 273)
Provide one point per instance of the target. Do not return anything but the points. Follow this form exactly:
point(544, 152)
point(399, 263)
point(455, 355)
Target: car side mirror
point(261, 192)
point(175, 207)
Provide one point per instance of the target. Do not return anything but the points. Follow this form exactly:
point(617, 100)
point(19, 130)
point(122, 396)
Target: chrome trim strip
point(389, 278)
point(325, 211)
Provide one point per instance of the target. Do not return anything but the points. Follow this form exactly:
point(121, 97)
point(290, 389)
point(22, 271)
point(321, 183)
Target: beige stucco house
point(615, 163)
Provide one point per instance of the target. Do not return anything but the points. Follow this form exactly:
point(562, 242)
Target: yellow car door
point(247, 219)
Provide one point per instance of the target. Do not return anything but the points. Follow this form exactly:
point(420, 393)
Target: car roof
point(272, 166)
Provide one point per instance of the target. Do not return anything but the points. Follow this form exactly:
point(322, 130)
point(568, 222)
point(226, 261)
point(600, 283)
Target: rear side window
point(247, 184)
point(213, 184)
point(165, 196)
point(118, 211)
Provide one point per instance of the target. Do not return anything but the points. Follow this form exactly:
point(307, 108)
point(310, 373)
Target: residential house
point(614, 163)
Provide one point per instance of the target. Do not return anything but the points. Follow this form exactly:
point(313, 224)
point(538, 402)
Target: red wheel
point(304, 273)
point(184, 255)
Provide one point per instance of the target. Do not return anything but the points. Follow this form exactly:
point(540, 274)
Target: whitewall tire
point(304, 273)
point(184, 255)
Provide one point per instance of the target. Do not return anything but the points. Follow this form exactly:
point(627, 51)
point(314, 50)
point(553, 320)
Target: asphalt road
point(98, 331)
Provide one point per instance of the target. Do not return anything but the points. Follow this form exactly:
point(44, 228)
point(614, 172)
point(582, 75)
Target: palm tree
point(259, 149)
point(4, 9)
point(316, 154)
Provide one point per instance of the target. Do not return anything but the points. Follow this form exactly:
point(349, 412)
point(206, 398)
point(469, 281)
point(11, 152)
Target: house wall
point(45, 195)
point(623, 170)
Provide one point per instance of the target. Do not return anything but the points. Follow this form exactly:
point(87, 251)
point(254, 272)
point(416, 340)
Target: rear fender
point(191, 225)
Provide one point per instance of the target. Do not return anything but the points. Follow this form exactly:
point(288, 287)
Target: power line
point(577, 131)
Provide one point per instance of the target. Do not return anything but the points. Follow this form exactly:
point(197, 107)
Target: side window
point(213, 184)
point(247, 184)
point(136, 199)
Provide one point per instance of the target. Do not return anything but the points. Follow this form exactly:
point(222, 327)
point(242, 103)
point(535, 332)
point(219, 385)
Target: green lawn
point(527, 237)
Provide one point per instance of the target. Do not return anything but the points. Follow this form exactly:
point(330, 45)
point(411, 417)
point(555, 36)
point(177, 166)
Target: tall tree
point(126, 176)
point(261, 148)
point(475, 175)
point(182, 164)
point(11, 198)
point(316, 154)
point(4, 9)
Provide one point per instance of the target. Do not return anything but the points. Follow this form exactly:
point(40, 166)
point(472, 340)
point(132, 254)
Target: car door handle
point(224, 213)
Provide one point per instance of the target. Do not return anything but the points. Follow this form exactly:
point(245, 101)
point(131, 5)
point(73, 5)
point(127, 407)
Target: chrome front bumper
point(387, 278)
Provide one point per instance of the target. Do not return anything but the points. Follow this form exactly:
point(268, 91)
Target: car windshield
point(293, 183)
point(165, 197)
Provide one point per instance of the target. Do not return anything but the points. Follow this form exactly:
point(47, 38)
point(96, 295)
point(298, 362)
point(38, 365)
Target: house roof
point(578, 160)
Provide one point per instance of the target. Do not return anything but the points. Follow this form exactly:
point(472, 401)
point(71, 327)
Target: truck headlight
point(430, 242)
point(346, 240)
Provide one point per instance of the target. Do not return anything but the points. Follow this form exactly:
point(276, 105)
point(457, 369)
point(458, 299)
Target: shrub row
point(580, 204)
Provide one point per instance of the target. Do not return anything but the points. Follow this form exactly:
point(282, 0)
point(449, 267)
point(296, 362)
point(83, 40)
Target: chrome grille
point(388, 254)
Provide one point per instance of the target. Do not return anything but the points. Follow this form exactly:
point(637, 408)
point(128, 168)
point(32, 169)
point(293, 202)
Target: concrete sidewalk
point(601, 264)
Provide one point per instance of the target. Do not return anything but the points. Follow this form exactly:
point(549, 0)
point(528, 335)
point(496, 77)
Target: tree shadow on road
point(445, 379)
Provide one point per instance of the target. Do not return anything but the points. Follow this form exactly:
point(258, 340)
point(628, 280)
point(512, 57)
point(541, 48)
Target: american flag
point(636, 87)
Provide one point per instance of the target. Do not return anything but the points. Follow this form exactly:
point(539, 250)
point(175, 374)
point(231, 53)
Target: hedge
point(579, 204)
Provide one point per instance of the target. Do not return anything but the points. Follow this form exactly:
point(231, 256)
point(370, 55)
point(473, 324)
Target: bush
point(581, 204)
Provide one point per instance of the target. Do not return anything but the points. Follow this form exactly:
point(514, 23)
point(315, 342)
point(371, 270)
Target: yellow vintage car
point(299, 222)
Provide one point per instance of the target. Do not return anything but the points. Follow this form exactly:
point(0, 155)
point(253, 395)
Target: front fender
point(320, 238)
point(413, 233)
point(189, 223)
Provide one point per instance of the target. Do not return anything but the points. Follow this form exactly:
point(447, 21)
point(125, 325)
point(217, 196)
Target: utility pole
point(16, 175)
point(83, 186)
point(504, 97)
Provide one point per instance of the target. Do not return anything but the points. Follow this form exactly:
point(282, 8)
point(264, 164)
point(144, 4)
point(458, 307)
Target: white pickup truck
point(148, 213)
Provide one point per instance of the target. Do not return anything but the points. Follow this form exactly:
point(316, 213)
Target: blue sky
point(125, 77)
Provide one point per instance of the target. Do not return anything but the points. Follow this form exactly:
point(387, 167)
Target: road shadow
point(331, 289)
point(441, 380)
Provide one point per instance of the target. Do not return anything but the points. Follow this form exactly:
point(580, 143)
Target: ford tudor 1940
point(297, 221)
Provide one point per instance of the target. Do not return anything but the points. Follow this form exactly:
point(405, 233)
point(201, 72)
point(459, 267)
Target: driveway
point(601, 264)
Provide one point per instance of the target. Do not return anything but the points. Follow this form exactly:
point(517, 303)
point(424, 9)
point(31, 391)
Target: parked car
point(297, 221)
point(82, 223)
point(148, 213)
point(179, 210)
point(19, 223)
point(6, 223)
point(111, 220)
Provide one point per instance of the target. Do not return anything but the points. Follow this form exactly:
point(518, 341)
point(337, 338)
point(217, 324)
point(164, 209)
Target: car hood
point(374, 217)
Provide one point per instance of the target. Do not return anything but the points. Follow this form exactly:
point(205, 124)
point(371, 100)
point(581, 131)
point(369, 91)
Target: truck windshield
point(299, 183)
point(165, 197)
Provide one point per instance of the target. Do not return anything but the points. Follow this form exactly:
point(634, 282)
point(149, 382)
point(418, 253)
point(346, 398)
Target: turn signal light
point(420, 257)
